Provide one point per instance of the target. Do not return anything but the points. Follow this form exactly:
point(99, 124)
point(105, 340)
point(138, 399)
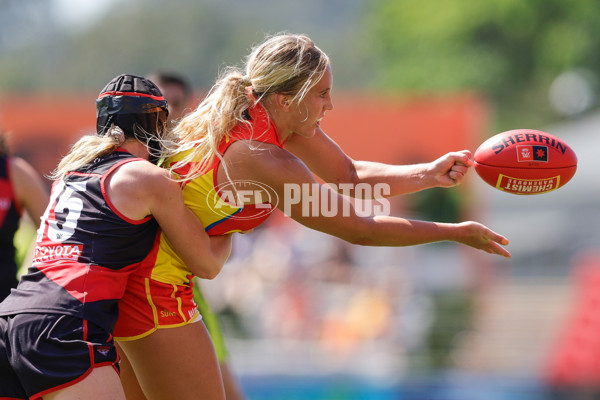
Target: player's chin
point(309, 132)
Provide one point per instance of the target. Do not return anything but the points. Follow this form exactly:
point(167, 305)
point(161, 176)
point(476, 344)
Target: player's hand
point(450, 169)
point(481, 237)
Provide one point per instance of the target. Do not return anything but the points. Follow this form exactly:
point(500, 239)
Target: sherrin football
point(525, 161)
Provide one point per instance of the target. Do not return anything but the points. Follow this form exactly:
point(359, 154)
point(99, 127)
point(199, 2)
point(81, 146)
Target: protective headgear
point(133, 102)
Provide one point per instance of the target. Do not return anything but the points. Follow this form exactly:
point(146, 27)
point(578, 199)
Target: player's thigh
point(176, 363)
point(102, 383)
point(131, 386)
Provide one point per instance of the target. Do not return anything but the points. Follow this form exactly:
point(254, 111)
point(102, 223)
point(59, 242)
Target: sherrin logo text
point(517, 138)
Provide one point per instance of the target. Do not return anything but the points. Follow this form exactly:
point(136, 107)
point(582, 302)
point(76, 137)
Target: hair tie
point(116, 133)
point(245, 81)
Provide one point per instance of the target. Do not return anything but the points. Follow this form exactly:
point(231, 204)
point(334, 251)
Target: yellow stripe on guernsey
point(199, 196)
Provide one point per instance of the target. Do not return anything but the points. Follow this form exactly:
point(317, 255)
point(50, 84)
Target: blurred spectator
point(572, 370)
point(21, 188)
point(177, 91)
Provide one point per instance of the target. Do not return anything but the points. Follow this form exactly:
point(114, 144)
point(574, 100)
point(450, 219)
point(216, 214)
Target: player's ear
point(283, 101)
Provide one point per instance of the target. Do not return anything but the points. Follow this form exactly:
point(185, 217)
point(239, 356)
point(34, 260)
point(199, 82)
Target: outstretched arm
point(318, 207)
point(139, 189)
point(329, 162)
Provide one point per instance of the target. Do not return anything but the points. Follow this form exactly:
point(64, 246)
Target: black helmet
point(129, 100)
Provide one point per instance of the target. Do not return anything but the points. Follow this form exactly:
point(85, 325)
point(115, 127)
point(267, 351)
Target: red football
point(524, 161)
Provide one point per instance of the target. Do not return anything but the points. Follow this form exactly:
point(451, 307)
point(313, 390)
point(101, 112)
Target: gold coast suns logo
point(230, 198)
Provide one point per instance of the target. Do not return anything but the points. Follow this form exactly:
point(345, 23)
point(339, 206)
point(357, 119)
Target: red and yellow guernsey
point(211, 203)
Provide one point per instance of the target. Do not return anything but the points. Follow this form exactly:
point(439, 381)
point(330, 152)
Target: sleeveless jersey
point(10, 215)
point(85, 250)
point(212, 204)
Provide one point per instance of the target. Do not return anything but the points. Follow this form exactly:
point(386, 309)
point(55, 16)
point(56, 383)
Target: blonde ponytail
point(202, 130)
point(286, 64)
point(88, 148)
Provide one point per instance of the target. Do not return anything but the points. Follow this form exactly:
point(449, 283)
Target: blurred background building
point(306, 315)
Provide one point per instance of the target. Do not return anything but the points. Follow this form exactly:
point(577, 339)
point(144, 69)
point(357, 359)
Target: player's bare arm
point(139, 189)
point(282, 168)
point(336, 167)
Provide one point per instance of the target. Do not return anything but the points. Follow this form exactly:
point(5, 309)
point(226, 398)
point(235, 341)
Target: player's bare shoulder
point(138, 175)
point(135, 187)
point(259, 157)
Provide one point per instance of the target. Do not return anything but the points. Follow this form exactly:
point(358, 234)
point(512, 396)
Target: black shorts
point(42, 353)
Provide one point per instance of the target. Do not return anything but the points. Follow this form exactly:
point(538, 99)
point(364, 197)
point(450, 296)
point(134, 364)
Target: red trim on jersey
point(184, 170)
point(110, 203)
point(131, 94)
point(262, 129)
point(85, 337)
point(77, 173)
